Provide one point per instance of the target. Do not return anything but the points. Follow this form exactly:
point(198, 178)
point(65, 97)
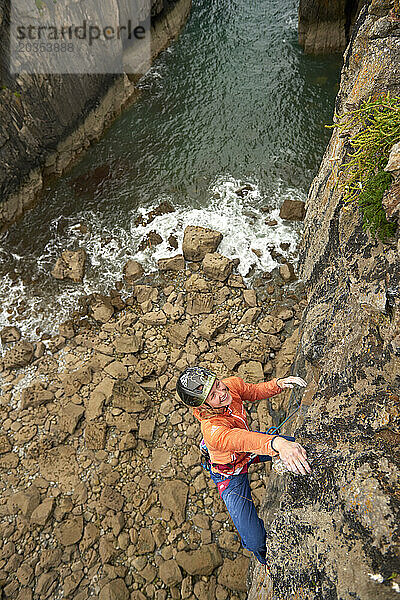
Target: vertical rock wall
point(47, 120)
point(324, 25)
point(336, 533)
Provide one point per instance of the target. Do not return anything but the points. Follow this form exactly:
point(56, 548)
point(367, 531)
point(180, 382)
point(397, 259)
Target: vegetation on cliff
point(372, 129)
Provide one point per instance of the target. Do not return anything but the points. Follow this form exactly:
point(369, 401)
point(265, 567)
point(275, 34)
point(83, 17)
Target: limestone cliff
point(335, 534)
point(47, 120)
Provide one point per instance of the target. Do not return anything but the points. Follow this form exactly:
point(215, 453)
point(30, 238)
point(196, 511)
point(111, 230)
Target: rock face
point(42, 133)
point(324, 25)
point(345, 517)
point(199, 241)
point(70, 265)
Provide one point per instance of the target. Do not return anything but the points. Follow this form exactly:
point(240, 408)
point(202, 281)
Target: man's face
point(219, 397)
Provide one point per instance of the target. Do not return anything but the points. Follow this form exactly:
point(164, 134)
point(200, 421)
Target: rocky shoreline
point(103, 494)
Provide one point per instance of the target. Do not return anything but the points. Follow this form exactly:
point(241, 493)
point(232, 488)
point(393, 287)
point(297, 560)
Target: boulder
point(114, 590)
point(132, 271)
point(217, 266)
point(233, 574)
point(18, 356)
point(101, 308)
point(127, 344)
point(170, 573)
point(146, 429)
point(26, 501)
point(271, 325)
point(70, 265)
point(213, 324)
point(229, 357)
point(173, 496)
point(10, 334)
point(117, 370)
point(145, 542)
point(143, 293)
point(250, 298)
point(292, 210)
point(130, 397)
point(154, 318)
point(95, 435)
point(70, 417)
point(175, 263)
point(199, 241)
point(200, 562)
point(112, 499)
point(178, 333)
point(42, 513)
point(196, 283)
point(251, 372)
point(199, 303)
point(70, 531)
point(287, 273)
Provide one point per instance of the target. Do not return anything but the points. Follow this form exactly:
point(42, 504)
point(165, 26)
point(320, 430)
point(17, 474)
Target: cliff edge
point(48, 120)
point(335, 534)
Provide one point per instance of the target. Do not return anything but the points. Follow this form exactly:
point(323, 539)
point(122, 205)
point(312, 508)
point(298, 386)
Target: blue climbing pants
point(236, 494)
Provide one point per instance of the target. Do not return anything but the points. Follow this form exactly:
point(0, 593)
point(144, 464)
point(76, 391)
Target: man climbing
point(231, 447)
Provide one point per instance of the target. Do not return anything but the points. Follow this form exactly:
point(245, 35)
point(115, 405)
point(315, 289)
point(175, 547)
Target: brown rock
point(70, 531)
point(127, 344)
point(117, 370)
point(271, 325)
point(90, 536)
point(130, 397)
point(157, 317)
point(143, 293)
point(146, 429)
point(9, 461)
point(250, 316)
point(251, 372)
point(292, 210)
point(250, 297)
point(196, 283)
point(71, 582)
point(200, 562)
point(234, 573)
point(42, 513)
point(70, 265)
point(178, 333)
point(111, 498)
point(128, 442)
point(287, 273)
point(236, 281)
point(229, 357)
point(26, 501)
point(170, 573)
point(132, 271)
point(199, 303)
point(44, 583)
point(5, 445)
point(114, 590)
point(95, 436)
point(102, 309)
point(24, 574)
point(217, 266)
point(199, 241)
point(18, 356)
point(94, 405)
point(173, 496)
point(10, 334)
point(213, 324)
point(70, 417)
point(145, 542)
point(106, 550)
point(175, 263)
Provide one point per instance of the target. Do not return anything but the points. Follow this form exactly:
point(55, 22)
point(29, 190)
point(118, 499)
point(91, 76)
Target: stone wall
point(43, 133)
point(335, 534)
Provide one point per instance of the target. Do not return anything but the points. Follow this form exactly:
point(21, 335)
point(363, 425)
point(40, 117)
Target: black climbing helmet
point(194, 384)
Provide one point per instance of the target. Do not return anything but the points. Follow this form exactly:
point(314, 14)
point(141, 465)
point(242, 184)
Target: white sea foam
point(239, 219)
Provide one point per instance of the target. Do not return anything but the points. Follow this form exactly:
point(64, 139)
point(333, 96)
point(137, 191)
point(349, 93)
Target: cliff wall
point(325, 25)
point(43, 133)
point(335, 534)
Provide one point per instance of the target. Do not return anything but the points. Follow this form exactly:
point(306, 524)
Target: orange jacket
point(227, 436)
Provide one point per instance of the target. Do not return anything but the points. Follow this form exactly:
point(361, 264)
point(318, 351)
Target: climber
point(231, 447)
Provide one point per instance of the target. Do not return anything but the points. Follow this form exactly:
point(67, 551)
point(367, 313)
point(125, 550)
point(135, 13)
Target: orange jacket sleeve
point(252, 392)
point(221, 437)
